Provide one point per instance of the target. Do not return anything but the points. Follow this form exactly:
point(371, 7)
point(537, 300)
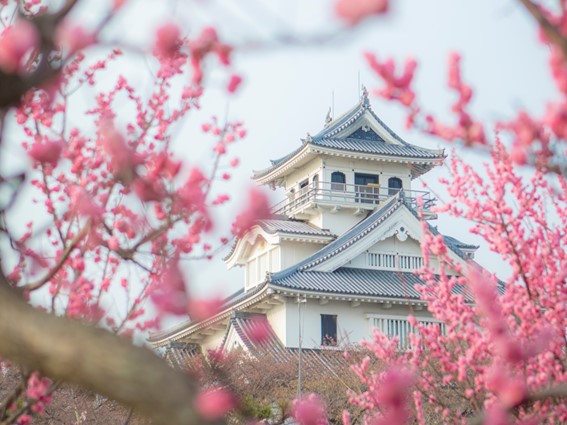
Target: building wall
point(213, 341)
point(277, 320)
point(293, 252)
point(353, 324)
point(263, 257)
point(348, 166)
point(337, 222)
point(307, 171)
point(393, 246)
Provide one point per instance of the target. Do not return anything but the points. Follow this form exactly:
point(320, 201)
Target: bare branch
point(551, 31)
point(67, 350)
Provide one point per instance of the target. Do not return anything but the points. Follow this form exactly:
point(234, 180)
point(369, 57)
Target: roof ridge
point(339, 244)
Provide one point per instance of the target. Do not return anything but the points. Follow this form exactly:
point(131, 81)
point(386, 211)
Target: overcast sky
point(288, 90)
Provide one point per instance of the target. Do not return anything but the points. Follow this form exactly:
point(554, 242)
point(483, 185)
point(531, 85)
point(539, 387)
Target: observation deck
point(359, 198)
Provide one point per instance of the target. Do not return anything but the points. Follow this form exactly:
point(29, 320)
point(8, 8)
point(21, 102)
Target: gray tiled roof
point(374, 147)
point(292, 226)
point(283, 224)
point(354, 281)
point(344, 241)
point(354, 143)
point(451, 241)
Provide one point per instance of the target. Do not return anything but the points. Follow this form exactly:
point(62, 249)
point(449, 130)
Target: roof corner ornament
point(364, 98)
point(328, 118)
point(308, 139)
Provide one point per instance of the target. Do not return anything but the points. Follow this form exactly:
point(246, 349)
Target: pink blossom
point(15, 42)
point(123, 159)
point(213, 404)
point(510, 389)
point(354, 11)
point(83, 204)
point(24, 420)
point(309, 411)
point(170, 294)
point(47, 152)
point(168, 40)
point(200, 309)
point(259, 329)
point(234, 83)
point(257, 209)
point(74, 37)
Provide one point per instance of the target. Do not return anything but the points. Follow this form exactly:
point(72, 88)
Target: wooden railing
point(394, 261)
point(348, 194)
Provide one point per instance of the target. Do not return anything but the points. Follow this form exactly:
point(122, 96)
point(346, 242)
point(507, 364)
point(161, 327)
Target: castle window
point(399, 327)
point(329, 329)
point(394, 185)
point(338, 181)
point(367, 188)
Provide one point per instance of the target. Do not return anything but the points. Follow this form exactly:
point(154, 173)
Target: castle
point(339, 255)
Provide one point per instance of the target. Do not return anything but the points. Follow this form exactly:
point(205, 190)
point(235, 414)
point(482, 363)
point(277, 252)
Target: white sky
point(288, 89)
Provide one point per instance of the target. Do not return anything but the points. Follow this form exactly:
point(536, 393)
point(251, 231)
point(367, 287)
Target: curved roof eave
point(164, 337)
point(272, 173)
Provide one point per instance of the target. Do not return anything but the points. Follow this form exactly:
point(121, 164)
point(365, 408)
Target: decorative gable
point(366, 133)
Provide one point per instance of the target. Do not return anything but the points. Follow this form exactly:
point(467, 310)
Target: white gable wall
point(294, 252)
point(212, 342)
point(408, 248)
point(353, 323)
point(303, 173)
point(337, 222)
point(277, 320)
point(349, 167)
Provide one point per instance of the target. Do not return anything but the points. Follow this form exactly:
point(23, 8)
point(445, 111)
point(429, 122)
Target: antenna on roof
point(333, 103)
point(358, 87)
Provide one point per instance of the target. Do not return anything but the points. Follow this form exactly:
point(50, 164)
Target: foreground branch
point(67, 350)
point(551, 31)
point(557, 392)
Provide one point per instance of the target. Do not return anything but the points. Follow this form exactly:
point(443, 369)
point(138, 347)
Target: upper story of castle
point(347, 170)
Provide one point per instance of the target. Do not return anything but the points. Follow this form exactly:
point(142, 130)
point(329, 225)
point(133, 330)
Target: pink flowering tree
point(500, 355)
point(113, 210)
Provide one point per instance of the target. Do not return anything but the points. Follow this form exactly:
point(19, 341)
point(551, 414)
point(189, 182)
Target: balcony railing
point(348, 195)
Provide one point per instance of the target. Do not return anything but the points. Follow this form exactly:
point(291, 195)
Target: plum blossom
point(257, 209)
point(354, 11)
point(309, 411)
point(214, 403)
point(15, 42)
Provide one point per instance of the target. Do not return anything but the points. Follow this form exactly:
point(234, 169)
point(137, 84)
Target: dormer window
point(338, 181)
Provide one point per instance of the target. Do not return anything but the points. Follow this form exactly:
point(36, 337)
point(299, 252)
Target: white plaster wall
point(340, 221)
point(392, 245)
point(277, 320)
point(307, 171)
point(263, 258)
point(213, 341)
point(352, 324)
point(293, 252)
point(348, 166)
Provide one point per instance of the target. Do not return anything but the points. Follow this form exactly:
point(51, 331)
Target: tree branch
point(67, 350)
point(551, 31)
point(559, 391)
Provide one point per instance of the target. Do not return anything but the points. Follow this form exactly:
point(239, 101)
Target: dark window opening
point(367, 188)
point(338, 181)
point(329, 329)
point(394, 185)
